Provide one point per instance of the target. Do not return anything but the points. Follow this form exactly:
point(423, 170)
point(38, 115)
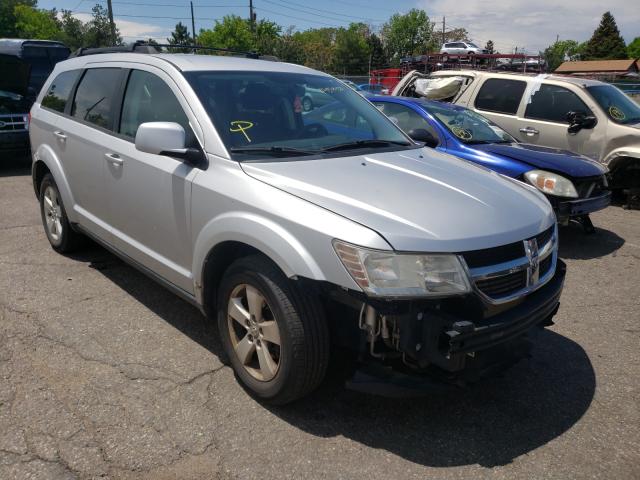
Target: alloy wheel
point(254, 332)
point(53, 214)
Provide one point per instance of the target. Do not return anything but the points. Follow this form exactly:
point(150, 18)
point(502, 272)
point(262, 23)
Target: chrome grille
point(14, 123)
point(516, 276)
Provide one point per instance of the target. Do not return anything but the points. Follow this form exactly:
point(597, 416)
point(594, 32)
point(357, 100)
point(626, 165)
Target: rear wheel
point(56, 224)
point(275, 336)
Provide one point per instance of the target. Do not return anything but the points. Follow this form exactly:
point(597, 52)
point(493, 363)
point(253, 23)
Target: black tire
point(304, 335)
point(307, 104)
point(68, 240)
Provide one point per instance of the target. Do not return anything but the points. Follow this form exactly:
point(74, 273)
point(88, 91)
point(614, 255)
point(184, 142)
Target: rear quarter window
point(58, 93)
point(500, 95)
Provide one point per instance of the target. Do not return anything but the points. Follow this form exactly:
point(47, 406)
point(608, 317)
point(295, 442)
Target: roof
point(424, 102)
point(518, 75)
point(192, 62)
point(589, 66)
point(13, 46)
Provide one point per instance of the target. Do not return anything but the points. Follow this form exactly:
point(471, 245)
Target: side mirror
point(579, 120)
point(168, 139)
point(422, 135)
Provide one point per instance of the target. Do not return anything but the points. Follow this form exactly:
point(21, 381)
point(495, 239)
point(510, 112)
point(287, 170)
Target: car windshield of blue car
point(618, 106)
point(469, 127)
point(279, 114)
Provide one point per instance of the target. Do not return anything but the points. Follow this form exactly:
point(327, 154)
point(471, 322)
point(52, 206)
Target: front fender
point(263, 234)
point(46, 155)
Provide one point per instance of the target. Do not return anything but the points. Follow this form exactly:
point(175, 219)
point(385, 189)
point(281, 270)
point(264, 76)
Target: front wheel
point(275, 336)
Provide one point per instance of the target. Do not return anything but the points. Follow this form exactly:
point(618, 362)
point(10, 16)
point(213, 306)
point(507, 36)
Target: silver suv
point(300, 232)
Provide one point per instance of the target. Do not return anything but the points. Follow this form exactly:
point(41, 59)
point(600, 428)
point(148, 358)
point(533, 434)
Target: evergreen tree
point(376, 50)
point(606, 42)
point(180, 36)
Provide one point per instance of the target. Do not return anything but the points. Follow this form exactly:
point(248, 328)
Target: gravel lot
point(103, 374)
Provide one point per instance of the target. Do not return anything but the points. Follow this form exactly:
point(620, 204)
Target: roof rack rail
point(142, 46)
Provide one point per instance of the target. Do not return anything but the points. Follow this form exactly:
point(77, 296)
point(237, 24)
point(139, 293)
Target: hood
point(15, 75)
point(418, 200)
point(546, 158)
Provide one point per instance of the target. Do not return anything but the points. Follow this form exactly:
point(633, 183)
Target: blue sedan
point(575, 185)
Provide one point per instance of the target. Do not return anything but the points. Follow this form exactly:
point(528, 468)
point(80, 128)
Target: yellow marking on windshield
point(462, 133)
point(241, 126)
point(616, 113)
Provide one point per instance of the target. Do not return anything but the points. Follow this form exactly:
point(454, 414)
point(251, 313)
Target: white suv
point(461, 48)
point(298, 232)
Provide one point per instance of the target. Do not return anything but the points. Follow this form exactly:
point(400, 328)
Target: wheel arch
point(235, 235)
point(47, 162)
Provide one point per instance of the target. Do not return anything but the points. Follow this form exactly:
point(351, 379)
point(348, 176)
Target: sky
point(528, 25)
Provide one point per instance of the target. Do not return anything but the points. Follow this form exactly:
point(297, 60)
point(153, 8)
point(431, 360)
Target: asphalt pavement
point(104, 374)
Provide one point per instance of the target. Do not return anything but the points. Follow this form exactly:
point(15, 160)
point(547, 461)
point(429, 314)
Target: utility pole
point(193, 24)
point(252, 16)
point(111, 24)
point(443, 39)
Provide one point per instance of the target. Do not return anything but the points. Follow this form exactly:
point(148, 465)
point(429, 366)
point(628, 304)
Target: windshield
point(616, 104)
point(468, 126)
point(291, 114)
point(472, 45)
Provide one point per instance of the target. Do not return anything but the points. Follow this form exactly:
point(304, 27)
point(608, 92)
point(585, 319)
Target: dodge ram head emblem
point(531, 249)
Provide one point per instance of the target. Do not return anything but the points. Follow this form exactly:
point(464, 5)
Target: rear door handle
point(114, 159)
point(529, 131)
point(60, 135)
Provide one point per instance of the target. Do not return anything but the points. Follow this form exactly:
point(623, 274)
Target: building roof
point(593, 66)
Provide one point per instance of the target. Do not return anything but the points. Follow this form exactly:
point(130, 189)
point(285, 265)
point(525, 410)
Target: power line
point(299, 18)
point(286, 4)
point(159, 17)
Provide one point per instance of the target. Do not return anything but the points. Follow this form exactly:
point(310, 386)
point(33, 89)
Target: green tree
point(376, 51)
point(633, 49)
point(35, 23)
point(73, 31)
point(98, 32)
point(560, 51)
point(233, 32)
point(407, 34)
point(8, 16)
point(606, 41)
point(489, 47)
point(180, 36)
point(351, 53)
point(456, 34)
point(288, 48)
point(266, 37)
point(318, 47)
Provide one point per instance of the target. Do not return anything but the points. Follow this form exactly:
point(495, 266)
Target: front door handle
point(114, 159)
point(529, 131)
point(60, 135)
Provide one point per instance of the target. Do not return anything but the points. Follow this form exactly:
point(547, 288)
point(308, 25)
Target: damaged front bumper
point(416, 346)
point(433, 337)
point(583, 206)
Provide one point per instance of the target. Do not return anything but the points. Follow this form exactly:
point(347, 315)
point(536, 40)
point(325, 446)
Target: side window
point(59, 90)
point(94, 96)
point(149, 99)
point(552, 103)
point(405, 117)
point(500, 95)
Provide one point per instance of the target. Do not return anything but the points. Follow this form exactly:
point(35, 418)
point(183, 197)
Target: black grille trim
point(503, 285)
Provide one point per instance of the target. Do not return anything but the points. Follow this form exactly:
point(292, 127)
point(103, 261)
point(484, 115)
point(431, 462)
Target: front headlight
point(551, 183)
point(389, 274)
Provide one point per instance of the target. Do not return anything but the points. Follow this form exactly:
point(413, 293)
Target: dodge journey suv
point(299, 232)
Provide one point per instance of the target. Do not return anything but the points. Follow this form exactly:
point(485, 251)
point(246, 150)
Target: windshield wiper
point(274, 151)
point(364, 144)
